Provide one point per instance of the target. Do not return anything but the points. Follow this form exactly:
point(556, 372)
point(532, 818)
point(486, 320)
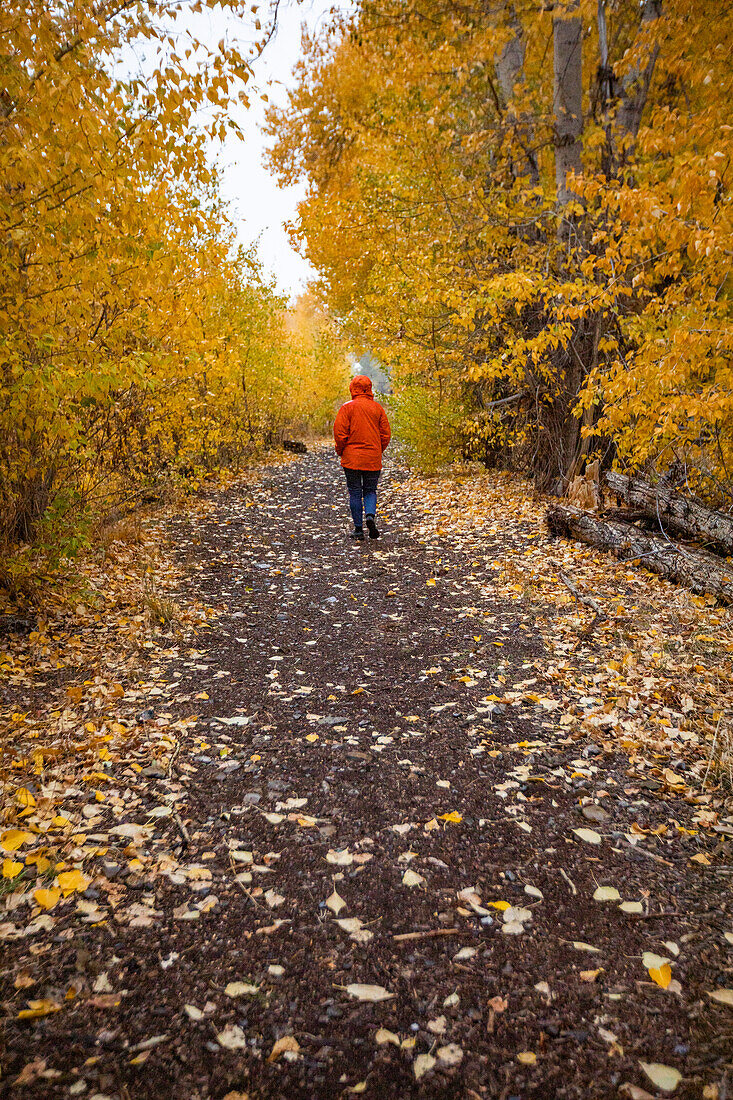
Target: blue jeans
point(362, 485)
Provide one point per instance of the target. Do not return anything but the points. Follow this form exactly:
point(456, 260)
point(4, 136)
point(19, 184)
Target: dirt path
point(356, 806)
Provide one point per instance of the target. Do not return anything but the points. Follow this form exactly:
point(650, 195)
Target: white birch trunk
point(567, 100)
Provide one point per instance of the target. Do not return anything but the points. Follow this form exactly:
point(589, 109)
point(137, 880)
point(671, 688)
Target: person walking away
point(361, 433)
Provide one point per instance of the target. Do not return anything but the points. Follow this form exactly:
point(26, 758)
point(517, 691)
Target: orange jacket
point(361, 431)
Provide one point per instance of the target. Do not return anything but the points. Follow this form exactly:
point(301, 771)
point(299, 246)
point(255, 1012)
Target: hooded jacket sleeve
point(385, 432)
point(341, 427)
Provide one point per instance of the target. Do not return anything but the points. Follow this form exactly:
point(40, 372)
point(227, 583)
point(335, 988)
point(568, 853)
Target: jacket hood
point(360, 386)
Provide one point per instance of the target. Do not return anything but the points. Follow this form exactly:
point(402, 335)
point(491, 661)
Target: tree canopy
point(135, 338)
point(525, 212)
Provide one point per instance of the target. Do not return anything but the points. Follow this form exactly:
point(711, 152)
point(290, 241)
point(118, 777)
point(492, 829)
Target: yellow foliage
point(433, 216)
point(135, 342)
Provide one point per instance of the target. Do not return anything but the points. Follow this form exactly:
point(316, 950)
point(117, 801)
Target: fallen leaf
point(286, 1043)
point(241, 989)
point(47, 898)
point(105, 1000)
point(662, 975)
point(232, 1038)
point(424, 1062)
point(634, 1092)
point(465, 953)
point(335, 902)
point(606, 893)
point(341, 858)
point(527, 1057)
point(38, 1008)
point(411, 878)
point(515, 913)
point(453, 816)
point(450, 1055)
point(71, 881)
point(273, 899)
point(385, 1036)
point(12, 839)
point(663, 1077)
point(30, 1072)
point(722, 996)
point(652, 961)
point(368, 992)
point(590, 836)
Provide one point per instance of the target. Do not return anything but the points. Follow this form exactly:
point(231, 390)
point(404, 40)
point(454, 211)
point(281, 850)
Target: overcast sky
point(259, 207)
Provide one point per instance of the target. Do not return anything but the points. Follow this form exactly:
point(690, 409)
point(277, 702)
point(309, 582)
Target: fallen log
point(703, 573)
point(675, 513)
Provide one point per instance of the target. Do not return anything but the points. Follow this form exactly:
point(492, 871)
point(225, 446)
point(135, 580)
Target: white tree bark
point(635, 85)
point(568, 98)
point(509, 66)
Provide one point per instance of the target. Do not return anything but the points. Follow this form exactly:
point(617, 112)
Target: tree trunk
point(623, 100)
point(567, 99)
point(509, 66)
point(635, 85)
point(675, 513)
point(695, 569)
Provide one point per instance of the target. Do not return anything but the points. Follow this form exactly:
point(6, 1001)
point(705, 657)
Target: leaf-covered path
point(383, 858)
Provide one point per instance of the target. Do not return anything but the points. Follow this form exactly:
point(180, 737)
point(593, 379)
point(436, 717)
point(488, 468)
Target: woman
point(361, 433)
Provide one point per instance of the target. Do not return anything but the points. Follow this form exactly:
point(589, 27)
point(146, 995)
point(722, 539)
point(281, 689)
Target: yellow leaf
point(47, 898)
point(662, 975)
point(700, 858)
point(431, 582)
point(69, 881)
point(453, 816)
point(24, 797)
point(287, 1043)
point(12, 839)
point(500, 905)
point(11, 868)
point(38, 1008)
point(311, 737)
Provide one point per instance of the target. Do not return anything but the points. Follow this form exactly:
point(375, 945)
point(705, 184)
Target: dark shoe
point(358, 533)
point(373, 529)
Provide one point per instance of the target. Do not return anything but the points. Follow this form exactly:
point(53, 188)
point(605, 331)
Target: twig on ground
point(571, 884)
point(712, 752)
point(248, 895)
point(600, 615)
point(404, 937)
point(181, 828)
point(174, 754)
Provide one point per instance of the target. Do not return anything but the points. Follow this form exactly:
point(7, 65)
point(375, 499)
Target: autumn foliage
point(135, 341)
point(525, 213)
